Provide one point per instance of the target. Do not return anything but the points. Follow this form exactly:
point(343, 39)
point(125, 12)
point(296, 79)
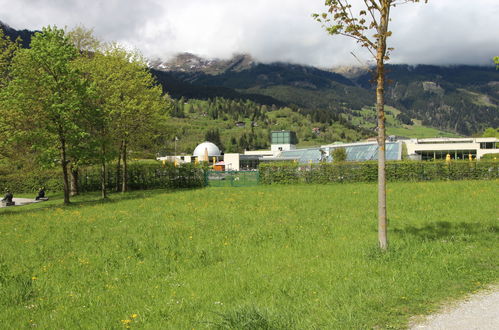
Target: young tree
point(339, 155)
point(374, 17)
point(45, 99)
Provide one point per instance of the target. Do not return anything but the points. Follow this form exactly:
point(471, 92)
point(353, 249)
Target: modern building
point(283, 148)
point(283, 141)
point(457, 148)
point(204, 152)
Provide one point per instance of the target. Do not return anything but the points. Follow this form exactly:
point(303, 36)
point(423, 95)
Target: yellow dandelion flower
point(34, 278)
point(134, 316)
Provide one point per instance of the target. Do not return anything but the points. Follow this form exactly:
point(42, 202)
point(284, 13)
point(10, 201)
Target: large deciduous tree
point(7, 51)
point(127, 102)
point(45, 98)
point(368, 25)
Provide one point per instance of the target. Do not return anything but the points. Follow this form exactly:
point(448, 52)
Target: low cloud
point(440, 32)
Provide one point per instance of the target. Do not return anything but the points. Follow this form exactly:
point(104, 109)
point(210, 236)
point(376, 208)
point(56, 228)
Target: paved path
point(478, 312)
point(22, 201)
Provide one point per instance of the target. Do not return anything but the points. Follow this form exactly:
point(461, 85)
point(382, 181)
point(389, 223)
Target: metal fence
point(232, 178)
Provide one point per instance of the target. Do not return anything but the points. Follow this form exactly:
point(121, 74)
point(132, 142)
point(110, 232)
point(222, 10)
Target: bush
point(339, 155)
point(19, 181)
point(146, 176)
point(285, 173)
point(490, 157)
point(140, 176)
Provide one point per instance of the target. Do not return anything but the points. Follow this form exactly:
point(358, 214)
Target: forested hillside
point(460, 99)
point(238, 125)
point(426, 100)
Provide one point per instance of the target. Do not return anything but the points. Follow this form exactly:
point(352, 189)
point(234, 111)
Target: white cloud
point(440, 32)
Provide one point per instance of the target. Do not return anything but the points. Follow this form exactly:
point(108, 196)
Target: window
point(488, 145)
point(442, 154)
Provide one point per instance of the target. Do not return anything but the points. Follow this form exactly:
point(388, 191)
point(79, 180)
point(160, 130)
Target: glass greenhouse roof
point(364, 152)
point(355, 152)
point(302, 155)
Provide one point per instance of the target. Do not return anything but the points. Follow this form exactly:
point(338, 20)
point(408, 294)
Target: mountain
point(461, 99)
point(13, 34)
point(187, 62)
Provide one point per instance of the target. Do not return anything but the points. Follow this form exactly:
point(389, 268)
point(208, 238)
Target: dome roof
point(211, 147)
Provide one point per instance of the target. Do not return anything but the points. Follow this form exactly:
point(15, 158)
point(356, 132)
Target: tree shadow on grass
point(90, 198)
point(447, 230)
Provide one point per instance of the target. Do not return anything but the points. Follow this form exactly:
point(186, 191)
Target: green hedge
point(30, 181)
point(286, 173)
point(146, 176)
point(140, 176)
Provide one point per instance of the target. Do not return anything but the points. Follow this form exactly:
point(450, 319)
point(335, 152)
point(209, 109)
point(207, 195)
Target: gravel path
point(479, 311)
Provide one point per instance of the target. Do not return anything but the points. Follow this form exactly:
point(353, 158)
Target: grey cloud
point(441, 32)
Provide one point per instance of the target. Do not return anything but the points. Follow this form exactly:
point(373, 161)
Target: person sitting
point(7, 199)
point(41, 195)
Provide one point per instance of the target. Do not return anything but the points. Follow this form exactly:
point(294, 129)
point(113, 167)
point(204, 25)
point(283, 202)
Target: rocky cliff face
point(187, 62)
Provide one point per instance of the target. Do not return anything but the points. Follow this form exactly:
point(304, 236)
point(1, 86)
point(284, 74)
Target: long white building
point(457, 148)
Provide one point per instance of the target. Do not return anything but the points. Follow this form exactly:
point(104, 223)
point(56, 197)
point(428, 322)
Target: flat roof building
point(457, 148)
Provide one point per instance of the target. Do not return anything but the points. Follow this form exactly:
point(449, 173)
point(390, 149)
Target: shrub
point(339, 155)
point(141, 175)
point(284, 173)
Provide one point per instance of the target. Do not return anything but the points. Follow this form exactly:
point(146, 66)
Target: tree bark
point(74, 180)
point(380, 109)
point(124, 180)
point(103, 174)
point(118, 169)
point(64, 165)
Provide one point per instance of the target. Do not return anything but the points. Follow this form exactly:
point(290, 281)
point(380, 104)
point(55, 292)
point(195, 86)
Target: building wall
point(416, 146)
point(277, 148)
point(259, 152)
point(231, 162)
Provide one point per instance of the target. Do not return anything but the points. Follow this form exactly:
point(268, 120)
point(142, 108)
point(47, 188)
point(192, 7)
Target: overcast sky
point(440, 32)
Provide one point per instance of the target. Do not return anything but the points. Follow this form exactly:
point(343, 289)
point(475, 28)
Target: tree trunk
point(380, 109)
point(118, 169)
point(103, 174)
point(74, 180)
point(124, 180)
point(64, 165)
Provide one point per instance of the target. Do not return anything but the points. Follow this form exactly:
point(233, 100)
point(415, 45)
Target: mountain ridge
point(459, 98)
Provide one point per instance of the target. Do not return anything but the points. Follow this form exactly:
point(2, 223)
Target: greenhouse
point(355, 152)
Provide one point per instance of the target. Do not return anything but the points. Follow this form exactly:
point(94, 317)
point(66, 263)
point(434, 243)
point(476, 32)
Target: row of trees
point(73, 101)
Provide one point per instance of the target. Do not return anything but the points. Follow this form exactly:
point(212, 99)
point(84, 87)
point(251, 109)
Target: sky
point(442, 32)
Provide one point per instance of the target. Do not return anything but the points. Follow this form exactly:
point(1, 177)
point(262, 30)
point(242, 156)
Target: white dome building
point(206, 147)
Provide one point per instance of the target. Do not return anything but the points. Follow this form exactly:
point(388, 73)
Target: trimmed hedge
point(146, 176)
point(141, 176)
point(21, 181)
point(288, 173)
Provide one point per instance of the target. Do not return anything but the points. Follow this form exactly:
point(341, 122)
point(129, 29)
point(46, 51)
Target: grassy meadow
point(264, 257)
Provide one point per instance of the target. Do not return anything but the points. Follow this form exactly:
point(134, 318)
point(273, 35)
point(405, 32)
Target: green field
point(264, 257)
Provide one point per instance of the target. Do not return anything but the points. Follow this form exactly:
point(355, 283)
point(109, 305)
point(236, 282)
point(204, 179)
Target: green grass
point(265, 257)
point(366, 118)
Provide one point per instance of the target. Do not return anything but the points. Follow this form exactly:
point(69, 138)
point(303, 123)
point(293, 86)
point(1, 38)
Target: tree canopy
point(76, 101)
